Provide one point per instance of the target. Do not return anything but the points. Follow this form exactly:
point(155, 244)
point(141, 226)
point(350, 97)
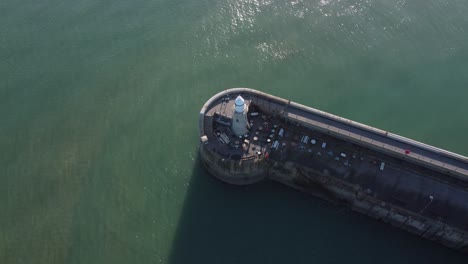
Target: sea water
point(99, 105)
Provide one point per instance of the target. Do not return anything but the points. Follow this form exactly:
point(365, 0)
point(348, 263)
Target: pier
point(408, 184)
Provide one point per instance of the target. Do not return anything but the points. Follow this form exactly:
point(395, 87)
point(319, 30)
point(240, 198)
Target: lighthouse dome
point(240, 104)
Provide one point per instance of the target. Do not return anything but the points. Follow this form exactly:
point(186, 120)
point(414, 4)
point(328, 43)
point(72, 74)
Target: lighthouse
point(239, 117)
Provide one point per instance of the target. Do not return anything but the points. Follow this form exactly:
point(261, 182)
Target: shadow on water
point(271, 223)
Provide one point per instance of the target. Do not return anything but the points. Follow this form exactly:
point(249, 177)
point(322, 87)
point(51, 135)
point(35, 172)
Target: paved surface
point(261, 128)
point(435, 158)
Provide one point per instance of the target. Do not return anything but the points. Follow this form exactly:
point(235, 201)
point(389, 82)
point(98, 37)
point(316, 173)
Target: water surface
point(99, 103)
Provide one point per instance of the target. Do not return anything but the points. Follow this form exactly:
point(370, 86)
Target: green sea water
point(99, 105)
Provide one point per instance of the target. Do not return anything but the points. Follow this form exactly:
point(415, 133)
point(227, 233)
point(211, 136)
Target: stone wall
point(341, 192)
point(237, 172)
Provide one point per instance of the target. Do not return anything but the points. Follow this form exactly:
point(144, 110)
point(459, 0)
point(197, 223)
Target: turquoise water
point(99, 103)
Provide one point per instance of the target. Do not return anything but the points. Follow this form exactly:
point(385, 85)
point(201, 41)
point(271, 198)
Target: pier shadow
point(271, 223)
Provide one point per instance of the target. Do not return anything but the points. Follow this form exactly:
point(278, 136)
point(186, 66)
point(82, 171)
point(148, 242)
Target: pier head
point(227, 149)
point(247, 136)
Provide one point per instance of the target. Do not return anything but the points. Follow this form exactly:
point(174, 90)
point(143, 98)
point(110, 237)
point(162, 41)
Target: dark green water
point(99, 103)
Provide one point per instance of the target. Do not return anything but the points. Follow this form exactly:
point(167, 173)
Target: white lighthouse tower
point(239, 117)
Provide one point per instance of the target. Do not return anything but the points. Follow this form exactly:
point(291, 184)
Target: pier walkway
point(407, 149)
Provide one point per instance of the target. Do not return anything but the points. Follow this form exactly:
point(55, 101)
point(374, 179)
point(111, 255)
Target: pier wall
point(328, 187)
point(237, 172)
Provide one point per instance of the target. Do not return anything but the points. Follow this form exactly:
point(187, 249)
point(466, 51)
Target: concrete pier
point(408, 184)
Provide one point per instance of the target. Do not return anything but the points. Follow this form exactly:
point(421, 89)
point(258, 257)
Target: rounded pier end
point(230, 156)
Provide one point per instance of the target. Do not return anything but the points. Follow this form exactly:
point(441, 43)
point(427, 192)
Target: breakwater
point(408, 184)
